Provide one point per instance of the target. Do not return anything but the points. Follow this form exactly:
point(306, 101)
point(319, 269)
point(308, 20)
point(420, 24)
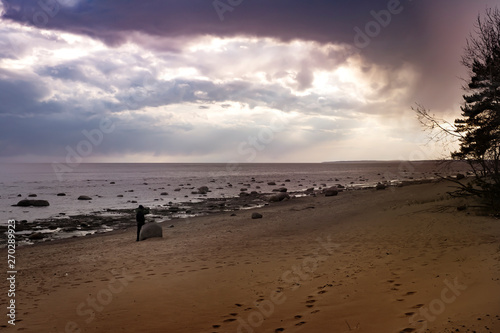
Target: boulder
point(36, 236)
point(279, 197)
point(34, 203)
point(256, 216)
point(150, 230)
point(203, 190)
point(84, 197)
point(331, 191)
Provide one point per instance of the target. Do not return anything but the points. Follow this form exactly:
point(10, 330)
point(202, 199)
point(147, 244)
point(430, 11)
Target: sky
point(228, 80)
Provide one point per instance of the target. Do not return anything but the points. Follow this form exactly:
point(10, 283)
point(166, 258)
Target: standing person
point(139, 217)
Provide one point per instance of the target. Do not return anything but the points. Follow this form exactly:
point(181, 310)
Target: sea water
point(126, 185)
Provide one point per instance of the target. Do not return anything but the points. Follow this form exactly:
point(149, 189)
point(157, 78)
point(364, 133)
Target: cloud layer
point(179, 84)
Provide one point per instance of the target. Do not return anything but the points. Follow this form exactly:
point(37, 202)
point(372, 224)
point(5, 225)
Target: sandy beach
point(396, 260)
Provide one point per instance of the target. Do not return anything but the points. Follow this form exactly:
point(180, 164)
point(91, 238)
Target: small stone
point(84, 197)
point(256, 216)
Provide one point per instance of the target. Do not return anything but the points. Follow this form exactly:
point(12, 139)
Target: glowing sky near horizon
point(271, 82)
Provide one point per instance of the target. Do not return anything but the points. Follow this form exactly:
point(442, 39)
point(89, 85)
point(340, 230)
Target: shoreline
point(101, 222)
point(376, 260)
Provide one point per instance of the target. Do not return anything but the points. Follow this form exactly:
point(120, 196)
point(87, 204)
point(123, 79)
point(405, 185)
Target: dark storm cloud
point(427, 34)
point(23, 96)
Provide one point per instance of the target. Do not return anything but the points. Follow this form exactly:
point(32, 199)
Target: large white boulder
point(150, 230)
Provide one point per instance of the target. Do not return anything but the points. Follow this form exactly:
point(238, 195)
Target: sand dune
point(402, 260)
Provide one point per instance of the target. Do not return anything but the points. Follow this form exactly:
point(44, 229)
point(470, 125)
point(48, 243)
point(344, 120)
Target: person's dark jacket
point(139, 217)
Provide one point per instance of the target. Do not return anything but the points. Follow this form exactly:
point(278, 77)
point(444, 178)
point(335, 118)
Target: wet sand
point(397, 260)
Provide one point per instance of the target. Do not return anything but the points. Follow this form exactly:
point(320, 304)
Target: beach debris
point(34, 203)
point(150, 230)
point(256, 216)
point(380, 186)
point(84, 197)
point(279, 197)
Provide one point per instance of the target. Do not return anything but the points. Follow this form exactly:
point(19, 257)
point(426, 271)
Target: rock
point(310, 190)
point(279, 197)
point(287, 180)
point(32, 195)
point(283, 189)
point(34, 203)
point(36, 236)
point(256, 216)
point(112, 183)
point(380, 186)
point(150, 230)
point(460, 176)
point(61, 194)
point(331, 192)
point(84, 197)
point(243, 189)
point(119, 196)
point(203, 190)
point(271, 183)
point(461, 208)
point(163, 193)
point(244, 194)
point(177, 189)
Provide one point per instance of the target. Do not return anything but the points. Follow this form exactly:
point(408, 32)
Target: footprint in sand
point(410, 293)
point(418, 306)
point(229, 320)
point(215, 326)
point(409, 313)
point(408, 329)
point(281, 329)
point(300, 323)
point(298, 317)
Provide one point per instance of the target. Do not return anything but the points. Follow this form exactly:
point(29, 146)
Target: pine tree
point(479, 127)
